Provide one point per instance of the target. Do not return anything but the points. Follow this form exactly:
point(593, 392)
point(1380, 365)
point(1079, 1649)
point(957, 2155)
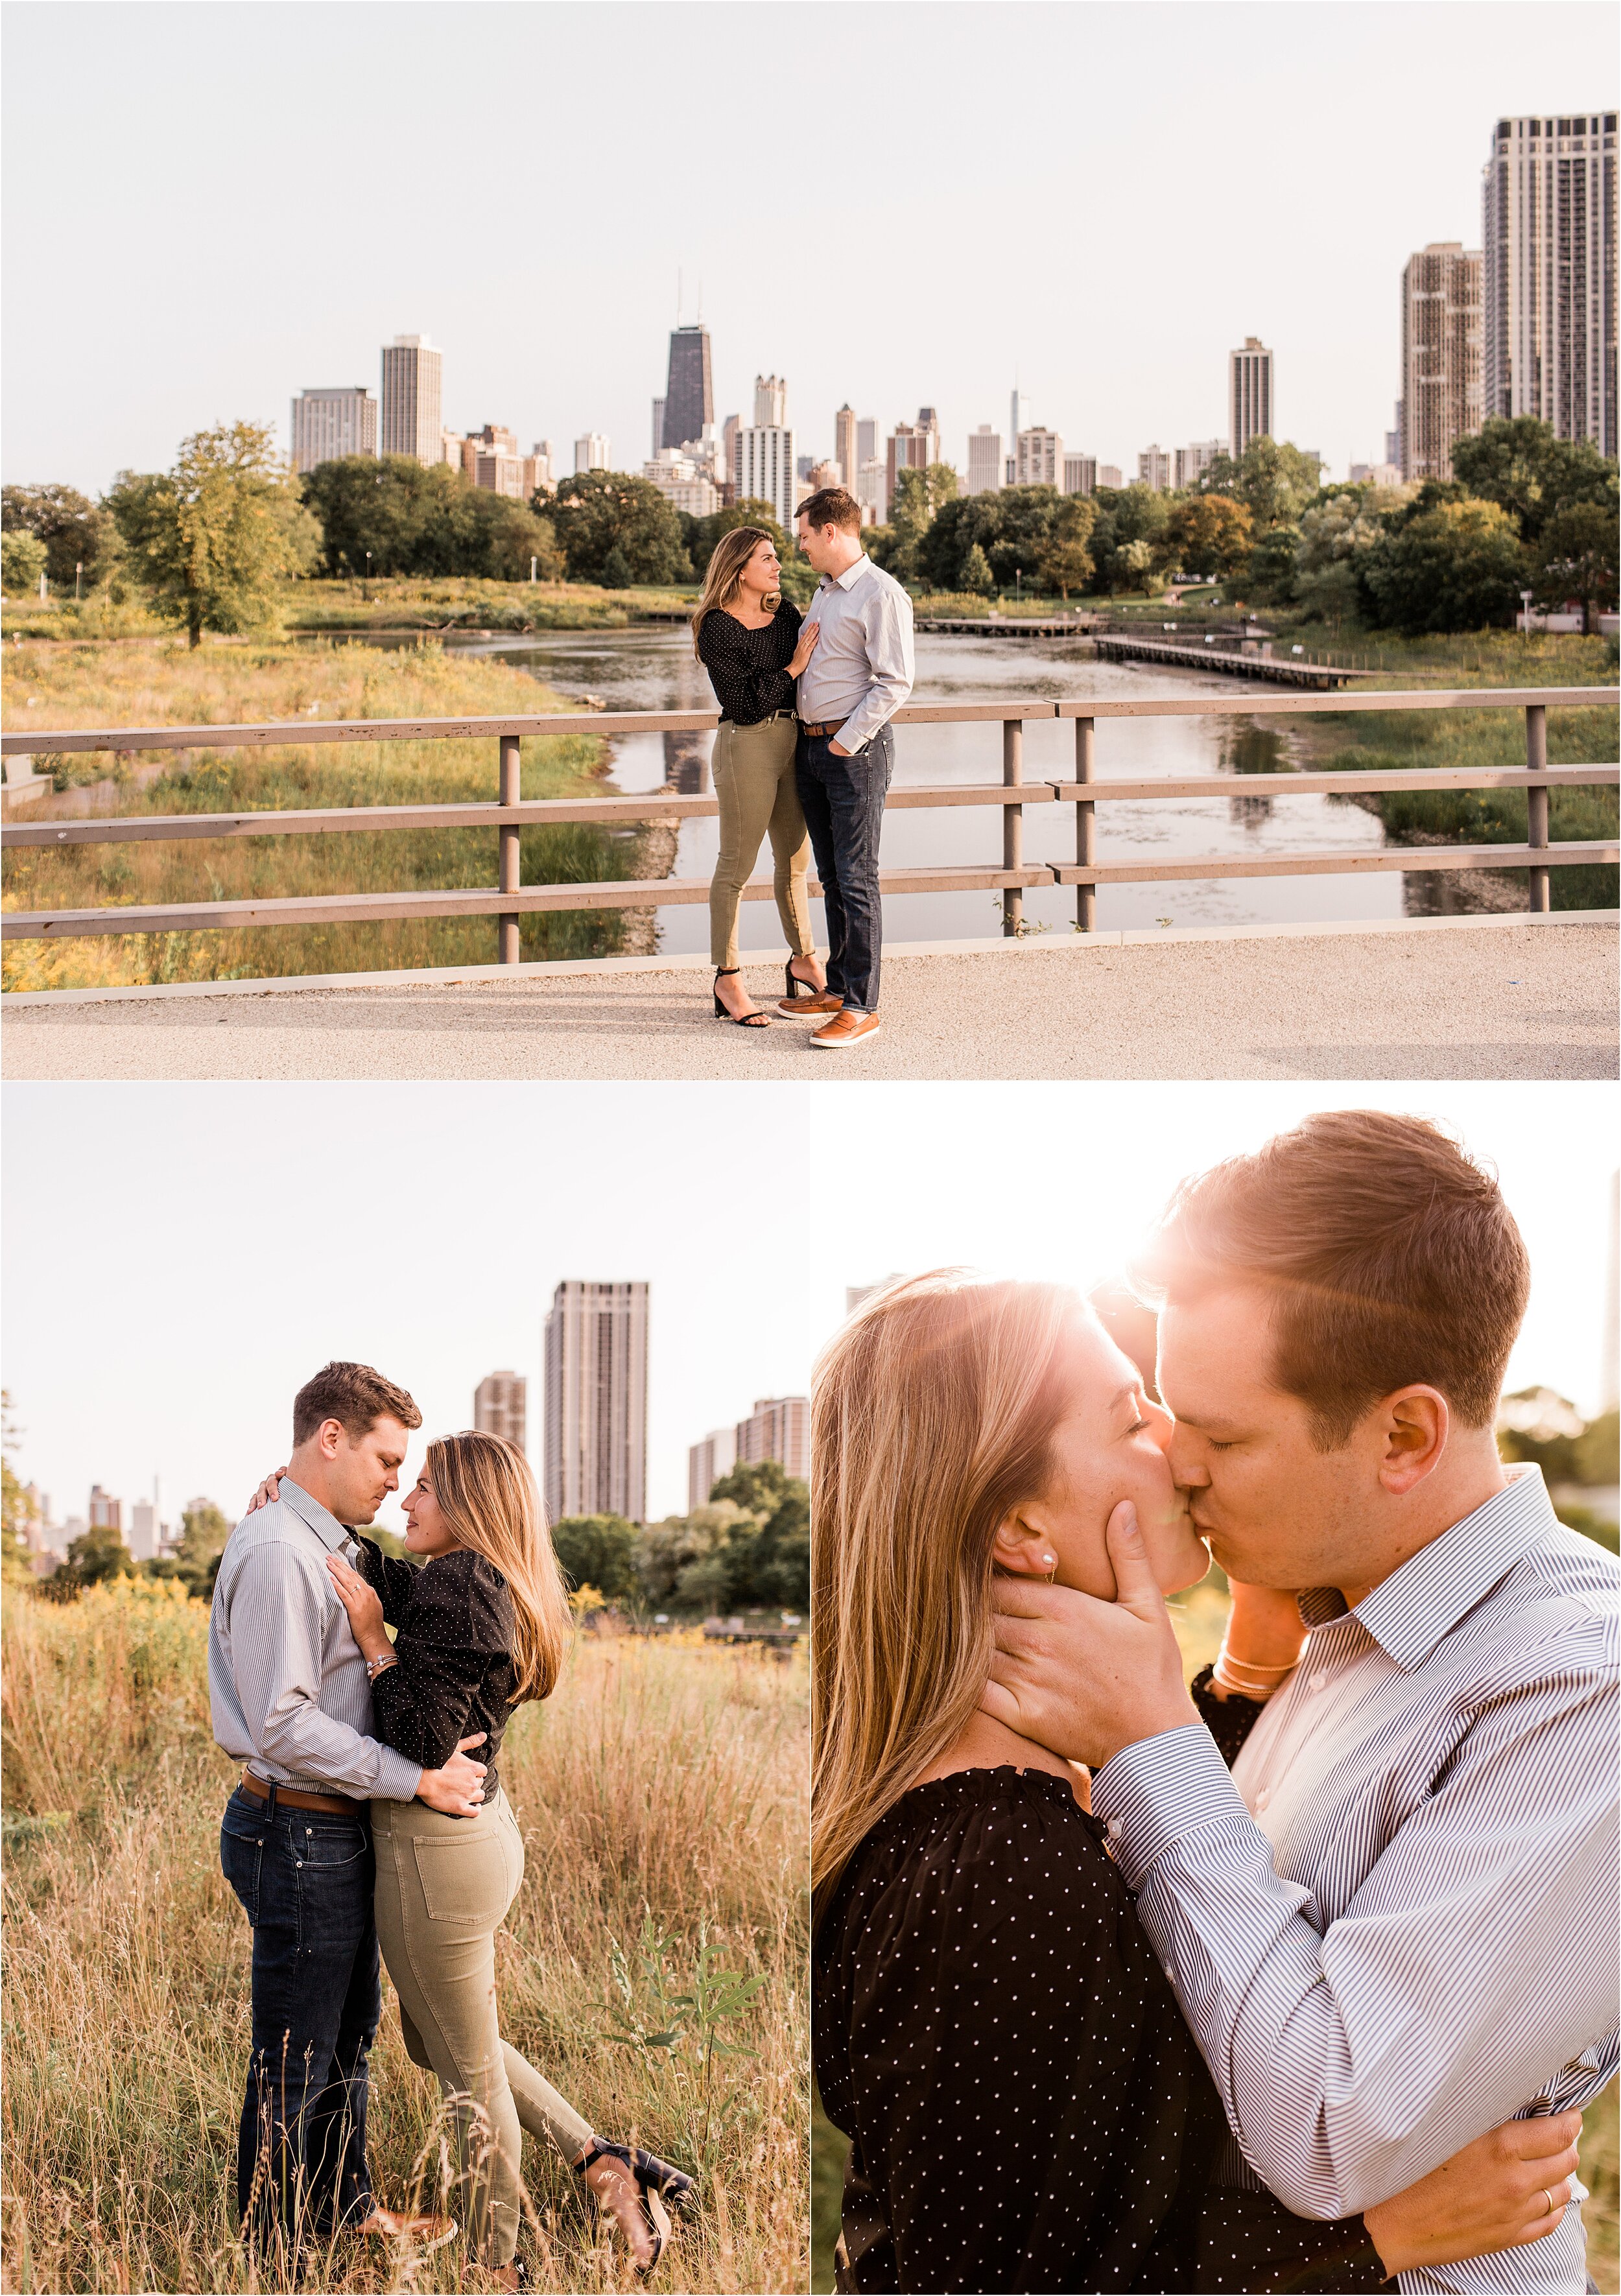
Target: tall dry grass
point(156, 683)
point(661, 1794)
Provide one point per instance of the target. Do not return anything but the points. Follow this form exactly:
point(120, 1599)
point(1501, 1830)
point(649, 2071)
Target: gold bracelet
point(1252, 1682)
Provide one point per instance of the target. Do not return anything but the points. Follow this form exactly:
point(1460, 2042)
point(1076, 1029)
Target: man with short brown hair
point(857, 677)
point(291, 1700)
point(1391, 1927)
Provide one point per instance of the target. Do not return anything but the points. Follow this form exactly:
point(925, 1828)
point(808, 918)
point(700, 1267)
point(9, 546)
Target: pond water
point(650, 666)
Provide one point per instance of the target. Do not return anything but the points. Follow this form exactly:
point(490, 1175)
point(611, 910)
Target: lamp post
point(1526, 598)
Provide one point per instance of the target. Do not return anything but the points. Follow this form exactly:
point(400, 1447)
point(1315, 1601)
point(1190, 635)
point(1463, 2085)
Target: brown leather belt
point(823, 732)
point(328, 1805)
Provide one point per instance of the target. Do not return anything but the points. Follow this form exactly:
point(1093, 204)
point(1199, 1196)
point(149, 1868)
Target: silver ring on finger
point(1548, 2196)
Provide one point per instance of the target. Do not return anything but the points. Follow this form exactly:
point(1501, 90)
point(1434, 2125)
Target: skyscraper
point(845, 451)
point(770, 402)
point(1548, 203)
point(413, 392)
point(591, 452)
point(912, 446)
point(1249, 394)
point(658, 446)
point(765, 468)
point(1038, 459)
point(866, 440)
point(1440, 356)
point(596, 1401)
point(689, 396)
point(984, 461)
point(328, 423)
point(500, 1404)
point(1154, 468)
point(777, 1428)
point(707, 1463)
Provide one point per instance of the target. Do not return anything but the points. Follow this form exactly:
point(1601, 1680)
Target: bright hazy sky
point(179, 1257)
point(214, 205)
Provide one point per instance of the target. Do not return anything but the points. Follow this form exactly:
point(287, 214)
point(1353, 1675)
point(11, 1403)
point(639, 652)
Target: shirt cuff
point(1152, 1795)
point(398, 1778)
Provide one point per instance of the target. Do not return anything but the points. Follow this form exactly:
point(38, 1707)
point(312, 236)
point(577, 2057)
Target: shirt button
point(1320, 1682)
point(1170, 1972)
point(1114, 1829)
point(1263, 1797)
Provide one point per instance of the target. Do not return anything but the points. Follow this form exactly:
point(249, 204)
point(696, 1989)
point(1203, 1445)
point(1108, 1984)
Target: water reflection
point(651, 666)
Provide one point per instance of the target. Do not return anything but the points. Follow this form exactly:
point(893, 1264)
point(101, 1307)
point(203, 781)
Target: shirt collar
point(852, 574)
point(326, 1527)
point(1416, 1607)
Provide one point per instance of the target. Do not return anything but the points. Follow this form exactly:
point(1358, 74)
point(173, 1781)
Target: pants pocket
point(241, 1858)
point(463, 1882)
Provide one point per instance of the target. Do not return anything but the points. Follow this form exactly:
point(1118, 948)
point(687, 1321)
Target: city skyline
point(1319, 286)
point(433, 1303)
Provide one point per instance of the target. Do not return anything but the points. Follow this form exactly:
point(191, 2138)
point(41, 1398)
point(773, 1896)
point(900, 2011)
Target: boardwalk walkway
point(1487, 998)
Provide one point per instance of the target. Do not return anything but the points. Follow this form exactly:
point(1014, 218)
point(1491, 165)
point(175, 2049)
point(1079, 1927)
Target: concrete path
point(1450, 997)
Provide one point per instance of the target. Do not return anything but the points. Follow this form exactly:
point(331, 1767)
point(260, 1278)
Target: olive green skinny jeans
point(753, 768)
point(444, 1885)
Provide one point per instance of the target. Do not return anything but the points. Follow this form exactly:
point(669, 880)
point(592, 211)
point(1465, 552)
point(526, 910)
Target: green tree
point(98, 1554)
point(975, 572)
point(15, 1567)
point(1275, 480)
point(1598, 1450)
point(1518, 462)
point(917, 496)
point(770, 1565)
point(211, 538)
point(1128, 516)
point(689, 1561)
point(1576, 557)
point(1269, 576)
point(704, 533)
point(597, 513)
point(598, 1550)
point(203, 1533)
point(76, 532)
point(1206, 534)
point(22, 562)
point(1065, 563)
point(1445, 564)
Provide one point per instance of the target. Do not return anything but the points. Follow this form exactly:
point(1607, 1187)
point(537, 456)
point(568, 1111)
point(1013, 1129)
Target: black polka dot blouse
point(455, 1674)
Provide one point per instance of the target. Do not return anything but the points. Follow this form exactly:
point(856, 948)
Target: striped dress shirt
point(287, 1684)
point(1394, 1926)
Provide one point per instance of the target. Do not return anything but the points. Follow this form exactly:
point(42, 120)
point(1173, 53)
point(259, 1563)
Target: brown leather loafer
point(428, 2231)
point(824, 1001)
point(844, 1030)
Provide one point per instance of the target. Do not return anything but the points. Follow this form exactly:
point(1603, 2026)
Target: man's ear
point(1415, 1424)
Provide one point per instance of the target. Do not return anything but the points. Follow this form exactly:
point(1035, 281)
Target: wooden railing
point(507, 900)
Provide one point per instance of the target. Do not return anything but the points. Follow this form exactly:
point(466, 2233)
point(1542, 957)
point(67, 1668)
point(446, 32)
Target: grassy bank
point(159, 682)
point(1200, 1616)
point(661, 1797)
point(1414, 740)
point(453, 602)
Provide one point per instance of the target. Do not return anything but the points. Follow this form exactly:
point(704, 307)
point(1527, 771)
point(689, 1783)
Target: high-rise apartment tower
point(984, 461)
point(765, 468)
point(501, 1406)
point(1440, 356)
point(413, 396)
point(843, 446)
point(1250, 395)
point(707, 1463)
point(777, 1428)
point(770, 402)
point(328, 423)
point(1548, 287)
point(689, 395)
point(596, 1401)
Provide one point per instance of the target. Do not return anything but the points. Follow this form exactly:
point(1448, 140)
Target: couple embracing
point(1296, 1979)
point(371, 1808)
point(803, 756)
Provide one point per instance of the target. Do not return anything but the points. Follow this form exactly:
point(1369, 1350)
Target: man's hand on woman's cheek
point(1084, 1677)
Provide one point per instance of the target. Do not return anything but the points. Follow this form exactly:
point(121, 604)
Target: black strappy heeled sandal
point(755, 1019)
point(795, 986)
point(661, 2189)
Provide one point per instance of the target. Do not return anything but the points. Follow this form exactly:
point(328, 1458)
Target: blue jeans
point(305, 1883)
point(842, 799)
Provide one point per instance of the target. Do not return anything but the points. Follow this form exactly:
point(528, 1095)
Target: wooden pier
point(1274, 670)
point(1011, 625)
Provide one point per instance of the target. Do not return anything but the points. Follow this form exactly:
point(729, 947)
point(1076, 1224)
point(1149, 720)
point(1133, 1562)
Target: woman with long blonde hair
point(750, 639)
point(1025, 2107)
point(483, 1626)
